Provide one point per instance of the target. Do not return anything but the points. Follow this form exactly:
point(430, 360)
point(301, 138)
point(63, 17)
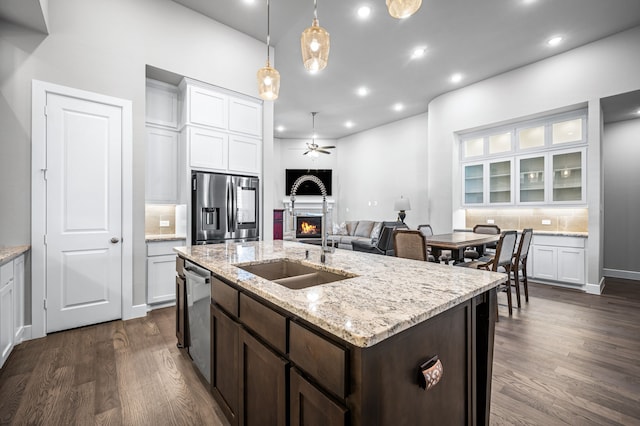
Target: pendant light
point(401, 9)
point(315, 44)
point(268, 77)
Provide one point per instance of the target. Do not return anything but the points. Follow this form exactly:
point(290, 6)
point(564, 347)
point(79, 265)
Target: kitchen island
point(348, 351)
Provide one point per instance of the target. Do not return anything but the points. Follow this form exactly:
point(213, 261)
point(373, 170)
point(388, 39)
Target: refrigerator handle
point(234, 211)
point(229, 207)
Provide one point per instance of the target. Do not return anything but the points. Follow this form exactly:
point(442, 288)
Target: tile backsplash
point(158, 215)
point(540, 219)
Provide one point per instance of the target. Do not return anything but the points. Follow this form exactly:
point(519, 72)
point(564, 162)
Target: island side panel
point(485, 316)
point(384, 377)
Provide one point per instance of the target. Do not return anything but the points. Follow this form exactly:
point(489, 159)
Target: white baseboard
point(618, 273)
point(595, 288)
point(136, 311)
point(161, 305)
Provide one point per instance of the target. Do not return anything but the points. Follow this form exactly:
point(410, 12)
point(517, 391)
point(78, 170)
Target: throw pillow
point(364, 228)
point(375, 231)
point(340, 229)
point(351, 227)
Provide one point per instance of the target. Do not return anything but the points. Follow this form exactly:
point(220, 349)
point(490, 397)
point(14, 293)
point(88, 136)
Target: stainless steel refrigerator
point(224, 208)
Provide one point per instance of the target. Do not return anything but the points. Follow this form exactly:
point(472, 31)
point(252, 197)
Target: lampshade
point(268, 82)
point(268, 77)
point(401, 9)
point(402, 204)
point(315, 44)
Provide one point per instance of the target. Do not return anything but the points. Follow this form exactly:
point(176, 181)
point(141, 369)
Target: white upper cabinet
point(162, 166)
point(244, 154)
point(204, 107)
point(208, 149)
point(245, 117)
point(549, 157)
point(161, 104)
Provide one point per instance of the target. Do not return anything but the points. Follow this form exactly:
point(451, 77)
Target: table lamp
point(402, 204)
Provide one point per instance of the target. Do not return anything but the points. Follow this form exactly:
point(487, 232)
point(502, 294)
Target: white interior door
point(84, 212)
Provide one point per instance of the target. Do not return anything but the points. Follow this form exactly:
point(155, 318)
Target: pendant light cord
point(268, 32)
point(315, 9)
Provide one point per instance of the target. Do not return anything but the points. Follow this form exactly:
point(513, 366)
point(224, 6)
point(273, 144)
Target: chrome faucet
point(323, 191)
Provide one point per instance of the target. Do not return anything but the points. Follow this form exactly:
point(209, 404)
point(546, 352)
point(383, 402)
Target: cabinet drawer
point(225, 296)
point(162, 248)
point(558, 241)
point(269, 324)
point(322, 359)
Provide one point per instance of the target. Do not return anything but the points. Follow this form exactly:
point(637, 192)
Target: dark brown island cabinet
point(271, 368)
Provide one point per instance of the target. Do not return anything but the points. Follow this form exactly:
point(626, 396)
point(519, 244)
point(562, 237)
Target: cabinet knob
point(115, 240)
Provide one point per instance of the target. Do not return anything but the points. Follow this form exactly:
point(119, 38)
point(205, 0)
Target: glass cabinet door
point(567, 176)
point(531, 174)
point(473, 184)
point(500, 182)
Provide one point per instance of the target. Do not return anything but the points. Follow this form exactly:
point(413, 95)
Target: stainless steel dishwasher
point(198, 301)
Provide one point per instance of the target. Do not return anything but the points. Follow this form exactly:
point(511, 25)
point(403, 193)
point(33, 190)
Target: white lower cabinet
point(557, 258)
point(161, 271)
point(11, 306)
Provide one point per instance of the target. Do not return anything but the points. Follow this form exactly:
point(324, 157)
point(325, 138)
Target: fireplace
point(308, 226)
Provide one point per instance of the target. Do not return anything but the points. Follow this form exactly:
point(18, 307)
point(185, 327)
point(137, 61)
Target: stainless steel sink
point(292, 274)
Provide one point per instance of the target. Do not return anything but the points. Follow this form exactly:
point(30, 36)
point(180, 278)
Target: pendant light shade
point(401, 9)
point(315, 44)
point(268, 77)
point(268, 82)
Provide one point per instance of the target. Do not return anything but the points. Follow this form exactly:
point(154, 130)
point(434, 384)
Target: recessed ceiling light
point(418, 52)
point(363, 91)
point(398, 107)
point(249, 1)
point(280, 128)
point(554, 41)
point(456, 78)
point(348, 124)
point(638, 112)
point(364, 12)
point(529, 1)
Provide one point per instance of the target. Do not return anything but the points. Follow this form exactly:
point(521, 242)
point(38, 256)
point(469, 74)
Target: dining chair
point(409, 244)
point(503, 261)
point(520, 263)
point(472, 252)
point(427, 231)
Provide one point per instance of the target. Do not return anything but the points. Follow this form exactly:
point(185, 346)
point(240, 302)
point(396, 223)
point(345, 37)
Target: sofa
point(366, 231)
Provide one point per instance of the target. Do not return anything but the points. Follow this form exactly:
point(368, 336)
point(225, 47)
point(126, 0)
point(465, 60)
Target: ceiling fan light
point(315, 44)
point(268, 83)
point(402, 9)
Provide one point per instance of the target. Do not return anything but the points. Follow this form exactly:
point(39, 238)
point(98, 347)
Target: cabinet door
point(261, 369)
point(208, 149)
point(310, 407)
point(571, 265)
point(544, 262)
point(161, 104)
point(18, 289)
point(181, 312)
point(162, 166)
point(244, 155)
point(207, 108)
point(531, 179)
point(568, 182)
point(160, 283)
point(245, 117)
point(500, 187)
point(224, 363)
point(6, 318)
point(473, 176)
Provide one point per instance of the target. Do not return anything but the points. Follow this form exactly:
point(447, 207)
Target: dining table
point(458, 241)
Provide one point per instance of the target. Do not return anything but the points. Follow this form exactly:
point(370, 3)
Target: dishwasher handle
point(190, 274)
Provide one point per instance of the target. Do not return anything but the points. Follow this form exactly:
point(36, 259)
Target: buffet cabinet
point(270, 367)
point(11, 306)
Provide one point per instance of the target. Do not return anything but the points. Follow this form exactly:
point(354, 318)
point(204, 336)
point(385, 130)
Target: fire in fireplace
point(308, 226)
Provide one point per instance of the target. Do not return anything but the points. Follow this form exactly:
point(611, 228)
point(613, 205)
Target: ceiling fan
point(313, 147)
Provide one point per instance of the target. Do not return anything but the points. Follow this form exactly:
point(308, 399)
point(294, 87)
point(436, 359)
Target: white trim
point(618, 273)
point(160, 305)
point(38, 199)
point(595, 288)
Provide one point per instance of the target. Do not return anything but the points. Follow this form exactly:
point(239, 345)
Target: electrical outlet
point(491, 221)
point(546, 221)
point(165, 223)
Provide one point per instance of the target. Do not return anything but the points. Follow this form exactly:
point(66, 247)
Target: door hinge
point(45, 110)
point(44, 174)
point(44, 239)
point(45, 304)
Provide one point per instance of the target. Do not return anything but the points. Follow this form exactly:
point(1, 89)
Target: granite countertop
point(164, 237)
point(388, 295)
point(10, 253)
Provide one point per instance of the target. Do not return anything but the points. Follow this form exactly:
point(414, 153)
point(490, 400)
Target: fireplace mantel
point(308, 203)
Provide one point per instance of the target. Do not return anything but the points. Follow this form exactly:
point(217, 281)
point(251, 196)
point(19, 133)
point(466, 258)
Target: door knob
point(115, 240)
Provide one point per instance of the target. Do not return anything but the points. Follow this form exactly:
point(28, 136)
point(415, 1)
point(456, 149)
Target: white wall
point(103, 46)
point(579, 77)
point(379, 165)
point(620, 156)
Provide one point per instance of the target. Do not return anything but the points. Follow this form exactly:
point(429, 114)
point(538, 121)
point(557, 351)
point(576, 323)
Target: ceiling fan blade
point(326, 147)
point(323, 151)
point(306, 153)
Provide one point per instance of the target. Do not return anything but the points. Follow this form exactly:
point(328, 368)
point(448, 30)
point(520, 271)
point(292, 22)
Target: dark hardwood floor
point(564, 358)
